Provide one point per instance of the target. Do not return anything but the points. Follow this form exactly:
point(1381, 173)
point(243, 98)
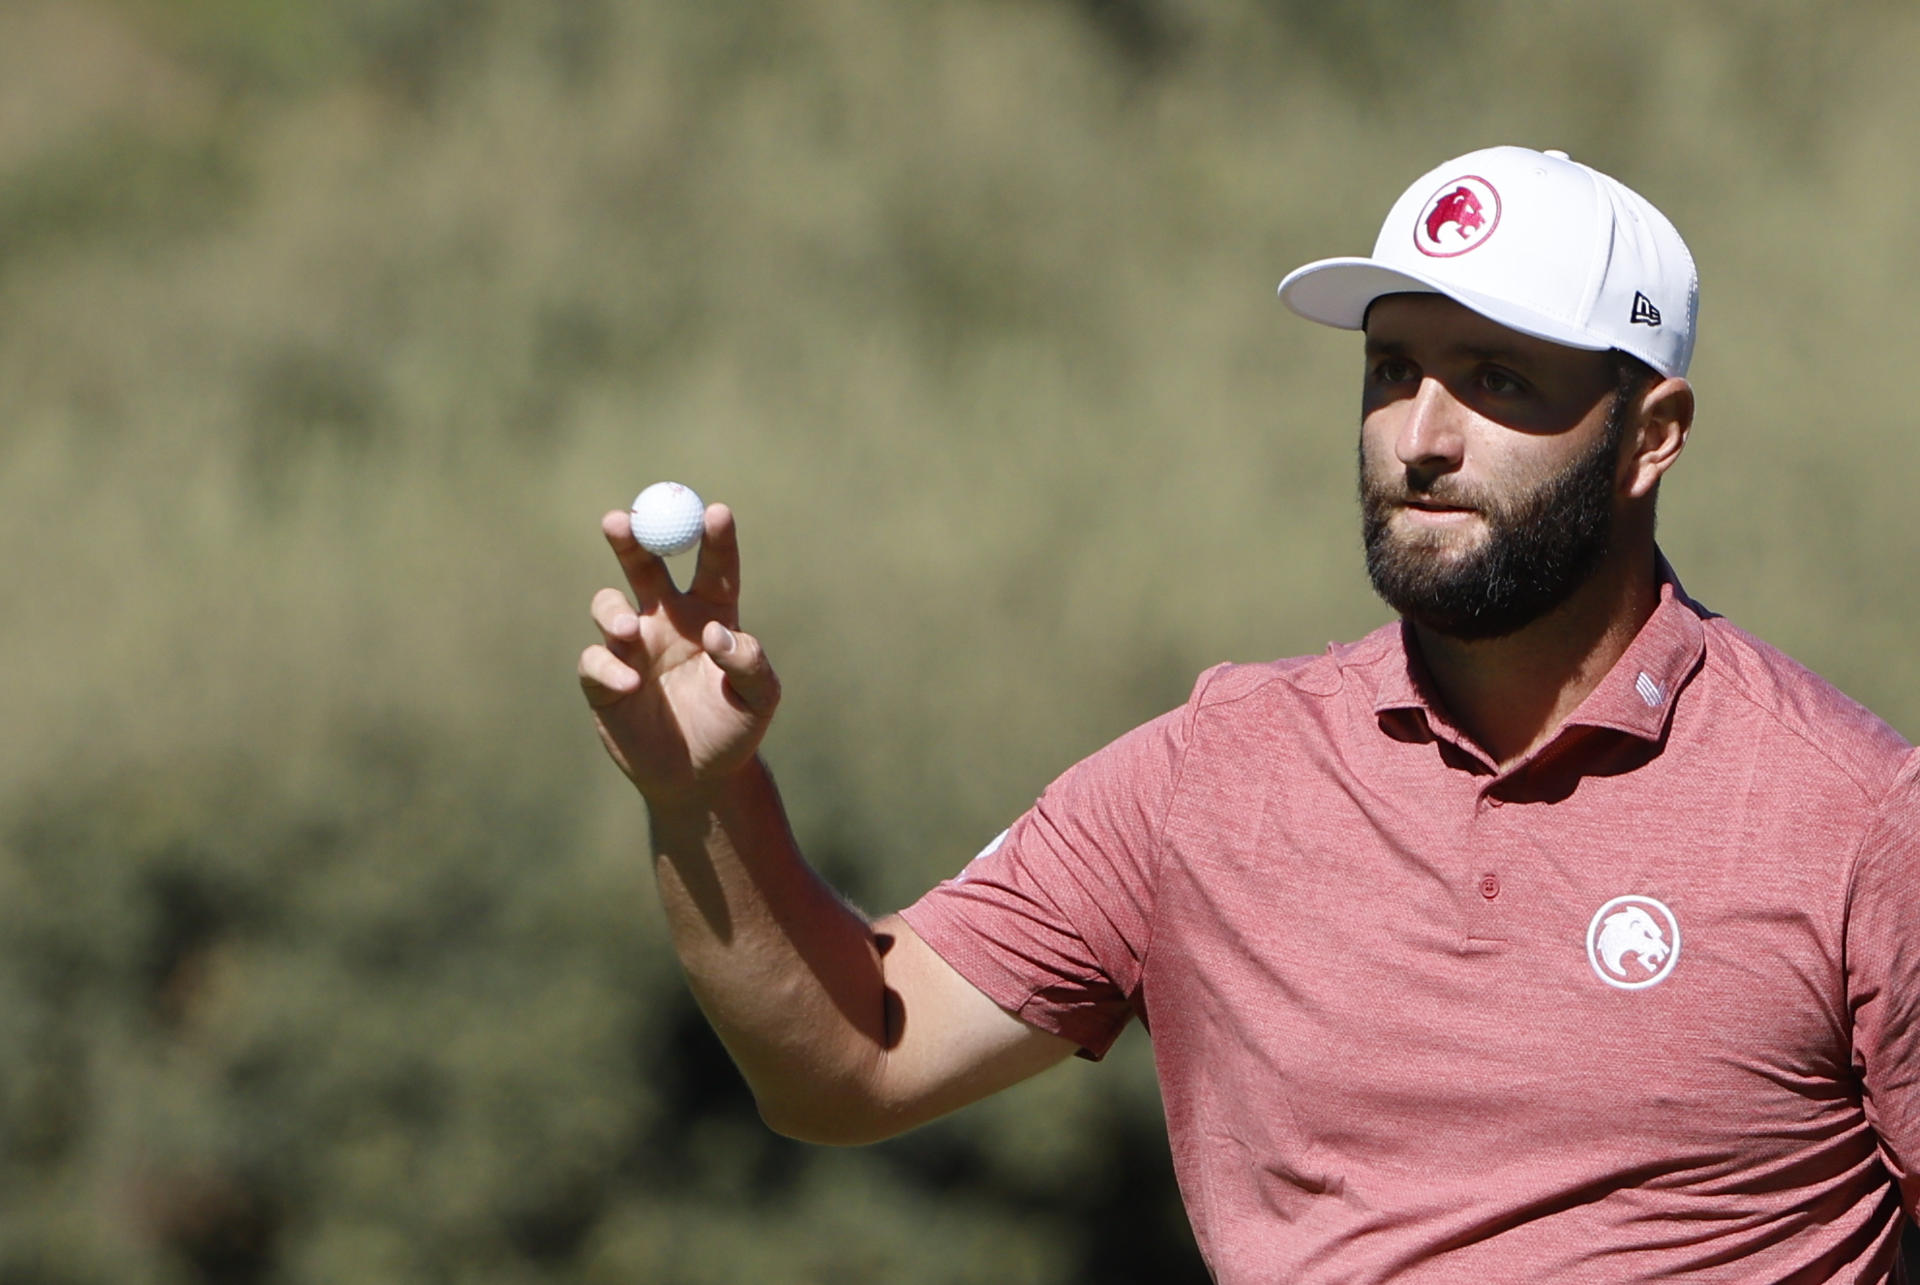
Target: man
point(1560, 931)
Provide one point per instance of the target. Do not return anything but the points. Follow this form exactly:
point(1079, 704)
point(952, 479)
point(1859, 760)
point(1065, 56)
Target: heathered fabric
point(1385, 1049)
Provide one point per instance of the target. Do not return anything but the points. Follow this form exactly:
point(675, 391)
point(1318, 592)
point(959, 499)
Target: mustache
point(1407, 488)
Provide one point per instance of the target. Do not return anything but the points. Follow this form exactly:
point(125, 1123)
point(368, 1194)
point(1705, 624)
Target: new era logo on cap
point(1644, 313)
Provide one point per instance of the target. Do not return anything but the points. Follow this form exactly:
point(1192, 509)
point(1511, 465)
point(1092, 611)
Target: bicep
point(948, 1043)
point(1061, 909)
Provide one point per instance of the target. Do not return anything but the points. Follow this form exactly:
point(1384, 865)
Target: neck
point(1512, 694)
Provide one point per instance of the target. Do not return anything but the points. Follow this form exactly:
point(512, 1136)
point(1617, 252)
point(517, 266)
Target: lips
point(1434, 506)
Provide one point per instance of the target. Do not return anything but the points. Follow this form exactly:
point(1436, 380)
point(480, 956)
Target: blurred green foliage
point(330, 329)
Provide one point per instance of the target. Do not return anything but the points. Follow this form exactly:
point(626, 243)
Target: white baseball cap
point(1533, 240)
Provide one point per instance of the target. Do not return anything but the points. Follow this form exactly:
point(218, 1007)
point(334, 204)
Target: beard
point(1541, 544)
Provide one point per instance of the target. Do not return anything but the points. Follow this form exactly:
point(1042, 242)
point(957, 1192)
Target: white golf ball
point(667, 518)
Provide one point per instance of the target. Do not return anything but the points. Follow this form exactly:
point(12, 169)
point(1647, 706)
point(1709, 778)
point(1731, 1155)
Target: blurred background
point(328, 331)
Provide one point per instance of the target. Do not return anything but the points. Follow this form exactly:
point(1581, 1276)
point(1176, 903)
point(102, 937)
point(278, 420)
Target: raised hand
point(681, 696)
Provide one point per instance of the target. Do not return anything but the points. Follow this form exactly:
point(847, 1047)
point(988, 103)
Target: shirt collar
point(1636, 696)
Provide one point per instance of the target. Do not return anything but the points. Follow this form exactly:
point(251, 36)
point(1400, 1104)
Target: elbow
point(831, 1122)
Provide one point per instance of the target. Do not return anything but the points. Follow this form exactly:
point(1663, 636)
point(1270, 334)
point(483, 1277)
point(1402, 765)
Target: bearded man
point(1558, 931)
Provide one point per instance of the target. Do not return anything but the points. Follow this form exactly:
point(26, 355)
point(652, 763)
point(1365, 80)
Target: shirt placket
point(1484, 894)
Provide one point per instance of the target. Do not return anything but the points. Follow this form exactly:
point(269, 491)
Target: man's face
point(1488, 467)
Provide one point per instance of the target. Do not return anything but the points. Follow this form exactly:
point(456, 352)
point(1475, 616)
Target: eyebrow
point(1478, 352)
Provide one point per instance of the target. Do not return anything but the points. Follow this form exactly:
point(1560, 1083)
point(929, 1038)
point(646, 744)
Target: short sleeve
point(1053, 921)
point(1883, 977)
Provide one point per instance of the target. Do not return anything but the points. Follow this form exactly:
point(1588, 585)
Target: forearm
point(789, 975)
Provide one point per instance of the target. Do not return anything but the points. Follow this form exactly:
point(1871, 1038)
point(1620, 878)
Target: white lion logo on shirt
point(1632, 928)
point(1631, 932)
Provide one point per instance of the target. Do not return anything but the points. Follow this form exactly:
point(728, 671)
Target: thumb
point(740, 658)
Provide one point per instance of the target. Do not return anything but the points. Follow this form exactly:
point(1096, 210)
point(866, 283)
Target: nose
point(1430, 441)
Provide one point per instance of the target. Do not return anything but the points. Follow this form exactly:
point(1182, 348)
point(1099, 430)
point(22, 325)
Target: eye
point(1500, 382)
point(1393, 370)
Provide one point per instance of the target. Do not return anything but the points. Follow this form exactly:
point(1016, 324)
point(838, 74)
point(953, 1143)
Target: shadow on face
point(1517, 381)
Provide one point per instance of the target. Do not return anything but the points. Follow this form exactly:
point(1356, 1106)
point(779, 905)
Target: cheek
point(1376, 443)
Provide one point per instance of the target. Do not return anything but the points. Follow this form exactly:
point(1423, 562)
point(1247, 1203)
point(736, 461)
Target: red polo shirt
point(1641, 1006)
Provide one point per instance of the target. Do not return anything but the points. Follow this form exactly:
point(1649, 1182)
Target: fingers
point(716, 576)
point(750, 679)
point(615, 616)
point(646, 573)
point(605, 678)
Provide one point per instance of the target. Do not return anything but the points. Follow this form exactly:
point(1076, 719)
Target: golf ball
point(667, 518)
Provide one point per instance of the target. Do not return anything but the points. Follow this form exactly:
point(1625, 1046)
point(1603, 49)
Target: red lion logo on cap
point(1469, 205)
point(1459, 207)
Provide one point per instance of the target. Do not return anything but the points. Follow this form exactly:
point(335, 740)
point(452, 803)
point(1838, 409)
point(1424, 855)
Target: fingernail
point(726, 639)
point(626, 624)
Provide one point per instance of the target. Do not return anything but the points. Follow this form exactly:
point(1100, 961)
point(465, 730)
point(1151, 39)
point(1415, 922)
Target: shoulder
point(1308, 678)
point(1798, 704)
point(1244, 715)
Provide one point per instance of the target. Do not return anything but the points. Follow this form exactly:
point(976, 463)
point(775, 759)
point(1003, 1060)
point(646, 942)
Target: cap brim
point(1338, 292)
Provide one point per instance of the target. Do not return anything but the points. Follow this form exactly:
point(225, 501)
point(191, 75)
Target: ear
point(1659, 433)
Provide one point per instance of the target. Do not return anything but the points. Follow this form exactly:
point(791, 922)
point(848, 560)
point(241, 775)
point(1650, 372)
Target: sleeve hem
point(947, 940)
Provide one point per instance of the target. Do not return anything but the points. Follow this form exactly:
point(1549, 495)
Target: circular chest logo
point(1633, 942)
point(1458, 217)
